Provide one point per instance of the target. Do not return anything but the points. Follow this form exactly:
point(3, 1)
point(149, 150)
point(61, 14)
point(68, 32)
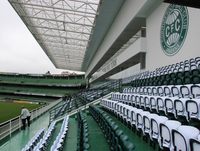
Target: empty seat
point(175, 91)
point(165, 140)
point(156, 120)
point(160, 105)
point(192, 109)
point(153, 104)
point(139, 120)
point(147, 103)
point(160, 91)
point(167, 91)
point(185, 91)
point(142, 102)
point(195, 91)
point(195, 144)
point(180, 109)
point(182, 136)
point(147, 124)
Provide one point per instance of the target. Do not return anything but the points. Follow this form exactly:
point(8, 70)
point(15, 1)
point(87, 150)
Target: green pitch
point(11, 110)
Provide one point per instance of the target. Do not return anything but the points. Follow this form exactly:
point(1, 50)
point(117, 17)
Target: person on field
point(25, 116)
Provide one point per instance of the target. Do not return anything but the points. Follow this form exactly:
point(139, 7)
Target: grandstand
point(141, 88)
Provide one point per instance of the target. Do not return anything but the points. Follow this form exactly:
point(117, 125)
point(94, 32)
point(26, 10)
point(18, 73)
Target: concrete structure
point(124, 36)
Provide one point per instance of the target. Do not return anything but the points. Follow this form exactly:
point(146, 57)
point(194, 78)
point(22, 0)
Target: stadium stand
point(141, 88)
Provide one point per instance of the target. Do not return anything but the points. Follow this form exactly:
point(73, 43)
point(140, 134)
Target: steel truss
point(63, 28)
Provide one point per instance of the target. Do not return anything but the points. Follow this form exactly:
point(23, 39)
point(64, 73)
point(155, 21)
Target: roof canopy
point(63, 28)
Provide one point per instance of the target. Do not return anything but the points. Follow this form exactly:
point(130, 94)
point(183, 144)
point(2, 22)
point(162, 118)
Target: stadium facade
point(152, 45)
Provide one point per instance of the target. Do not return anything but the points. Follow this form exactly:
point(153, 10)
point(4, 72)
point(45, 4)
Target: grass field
point(11, 110)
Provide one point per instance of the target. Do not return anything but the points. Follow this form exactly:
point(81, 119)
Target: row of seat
point(169, 134)
point(42, 145)
point(60, 110)
point(58, 143)
point(180, 91)
point(175, 74)
point(117, 140)
point(178, 108)
point(190, 64)
point(83, 134)
point(33, 142)
point(187, 65)
point(178, 78)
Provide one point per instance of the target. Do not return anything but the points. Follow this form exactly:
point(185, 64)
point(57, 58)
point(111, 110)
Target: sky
point(19, 51)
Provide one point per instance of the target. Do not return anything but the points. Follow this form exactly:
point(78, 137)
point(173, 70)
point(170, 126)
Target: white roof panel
point(63, 28)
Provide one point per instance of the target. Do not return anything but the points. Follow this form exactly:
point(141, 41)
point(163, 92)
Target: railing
point(8, 127)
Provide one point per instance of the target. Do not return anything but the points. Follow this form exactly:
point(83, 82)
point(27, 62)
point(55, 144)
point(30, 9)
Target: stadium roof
point(63, 28)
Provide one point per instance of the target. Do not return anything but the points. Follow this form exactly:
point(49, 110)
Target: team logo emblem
point(174, 29)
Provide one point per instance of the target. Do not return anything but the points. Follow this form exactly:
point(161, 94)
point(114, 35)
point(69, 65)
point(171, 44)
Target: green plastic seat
point(196, 79)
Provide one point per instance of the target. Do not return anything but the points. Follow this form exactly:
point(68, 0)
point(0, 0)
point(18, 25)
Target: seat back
point(165, 133)
point(194, 145)
point(192, 108)
point(179, 141)
point(181, 137)
point(175, 91)
point(195, 90)
point(185, 91)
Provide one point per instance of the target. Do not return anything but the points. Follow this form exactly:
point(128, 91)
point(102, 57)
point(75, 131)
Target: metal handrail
point(8, 127)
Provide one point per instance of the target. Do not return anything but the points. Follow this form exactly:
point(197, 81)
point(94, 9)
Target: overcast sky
point(19, 51)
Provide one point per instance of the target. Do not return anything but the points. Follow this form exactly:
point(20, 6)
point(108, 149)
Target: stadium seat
point(192, 109)
point(147, 103)
point(182, 136)
point(180, 109)
point(155, 124)
point(153, 104)
point(167, 91)
point(160, 105)
point(195, 91)
point(185, 91)
point(165, 140)
point(139, 120)
point(160, 91)
point(195, 144)
point(175, 91)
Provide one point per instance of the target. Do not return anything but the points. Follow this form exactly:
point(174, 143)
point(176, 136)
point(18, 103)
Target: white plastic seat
point(195, 91)
point(147, 123)
point(140, 122)
point(153, 103)
point(137, 101)
point(142, 102)
point(180, 109)
point(145, 91)
point(165, 140)
point(147, 102)
point(192, 108)
point(129, 116)
point(182, 136)
point(149, 90)
point(169, 106)
point(160, 91)
point(134, 113)
point(185, 91)
point(167, 91)
point(175, 91)
point(133, 101)
point(160, 104)
point(154, 91)
point(195, 144)
point(155, 126)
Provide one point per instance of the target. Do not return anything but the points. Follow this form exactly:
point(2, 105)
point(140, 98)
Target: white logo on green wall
point(174, 29)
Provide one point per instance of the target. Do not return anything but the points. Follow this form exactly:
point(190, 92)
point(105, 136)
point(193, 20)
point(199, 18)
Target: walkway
point(21, 138)
point(97, 140)
point(71, 140)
